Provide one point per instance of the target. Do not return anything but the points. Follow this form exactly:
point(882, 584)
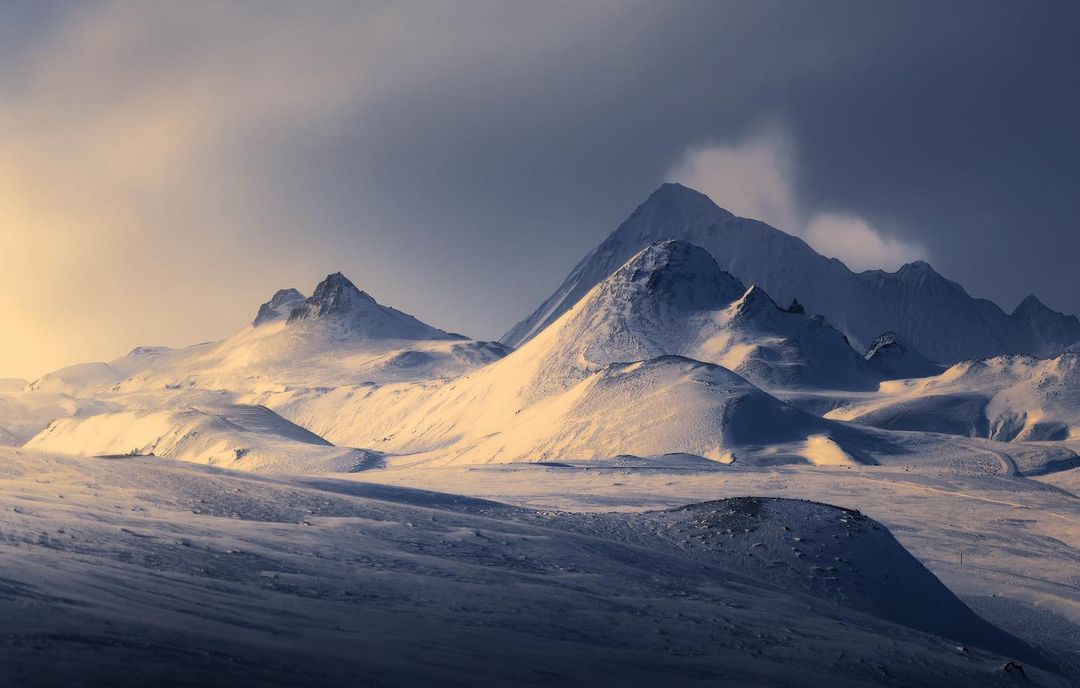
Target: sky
point(165, 167)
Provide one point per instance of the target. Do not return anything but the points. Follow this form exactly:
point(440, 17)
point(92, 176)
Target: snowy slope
point(617, 374)
point(152, 572)
point(648, 408)
point(936, 315)
point(24, 414)
point(1008, 398)
point(77, 378)
point(231, 436)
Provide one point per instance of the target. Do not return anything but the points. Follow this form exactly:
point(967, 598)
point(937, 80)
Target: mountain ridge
point(935, 314)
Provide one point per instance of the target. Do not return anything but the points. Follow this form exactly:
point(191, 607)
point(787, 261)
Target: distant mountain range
point(933, 314)
point(669, 342)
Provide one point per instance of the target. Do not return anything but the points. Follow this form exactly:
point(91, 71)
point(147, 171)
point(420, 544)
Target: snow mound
point(76, 378)
point(828, 552)
point(231, 436)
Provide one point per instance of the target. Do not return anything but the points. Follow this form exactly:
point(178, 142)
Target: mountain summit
point(337, 300)
point(672, 299)
point(280, 305)
point(937, 316)
point(1053, 330)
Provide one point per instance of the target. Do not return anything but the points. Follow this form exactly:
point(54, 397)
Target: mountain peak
point(674, 198)
point(1053, 331)
point(754, 298)
point(677, 272)
point(335, 295)
point(279, 306)
point(336, 299)
point(1031, 305)
point(916, 266)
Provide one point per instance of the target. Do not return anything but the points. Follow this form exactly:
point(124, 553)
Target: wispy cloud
point(754, 178)
point(155, 158)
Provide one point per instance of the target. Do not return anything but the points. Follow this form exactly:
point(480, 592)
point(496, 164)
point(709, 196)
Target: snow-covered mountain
point(340, 335)
point(671, 298)
point(935, 314)
point(641, 365)
point(337, 300)
point(1007, 398)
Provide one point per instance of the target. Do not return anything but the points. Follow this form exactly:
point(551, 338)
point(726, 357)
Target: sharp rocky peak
point(755, 299)
point(334, 296)
point(337, 300)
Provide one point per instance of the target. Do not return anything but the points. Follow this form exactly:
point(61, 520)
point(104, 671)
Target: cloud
point(754, 178)
point(164, 167)
point(857, 243)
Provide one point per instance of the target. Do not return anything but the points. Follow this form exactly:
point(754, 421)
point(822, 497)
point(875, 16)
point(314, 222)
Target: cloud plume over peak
point(754, 178)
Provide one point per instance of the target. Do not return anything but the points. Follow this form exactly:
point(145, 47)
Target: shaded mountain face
point(337, 300)
point(934, 314)
point(897, 359)
point(1054, 331)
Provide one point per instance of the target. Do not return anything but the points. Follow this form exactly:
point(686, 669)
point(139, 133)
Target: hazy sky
point(165, 167)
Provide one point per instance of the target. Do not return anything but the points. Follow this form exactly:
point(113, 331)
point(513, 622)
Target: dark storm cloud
point(950, 127)
point(456, 159)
